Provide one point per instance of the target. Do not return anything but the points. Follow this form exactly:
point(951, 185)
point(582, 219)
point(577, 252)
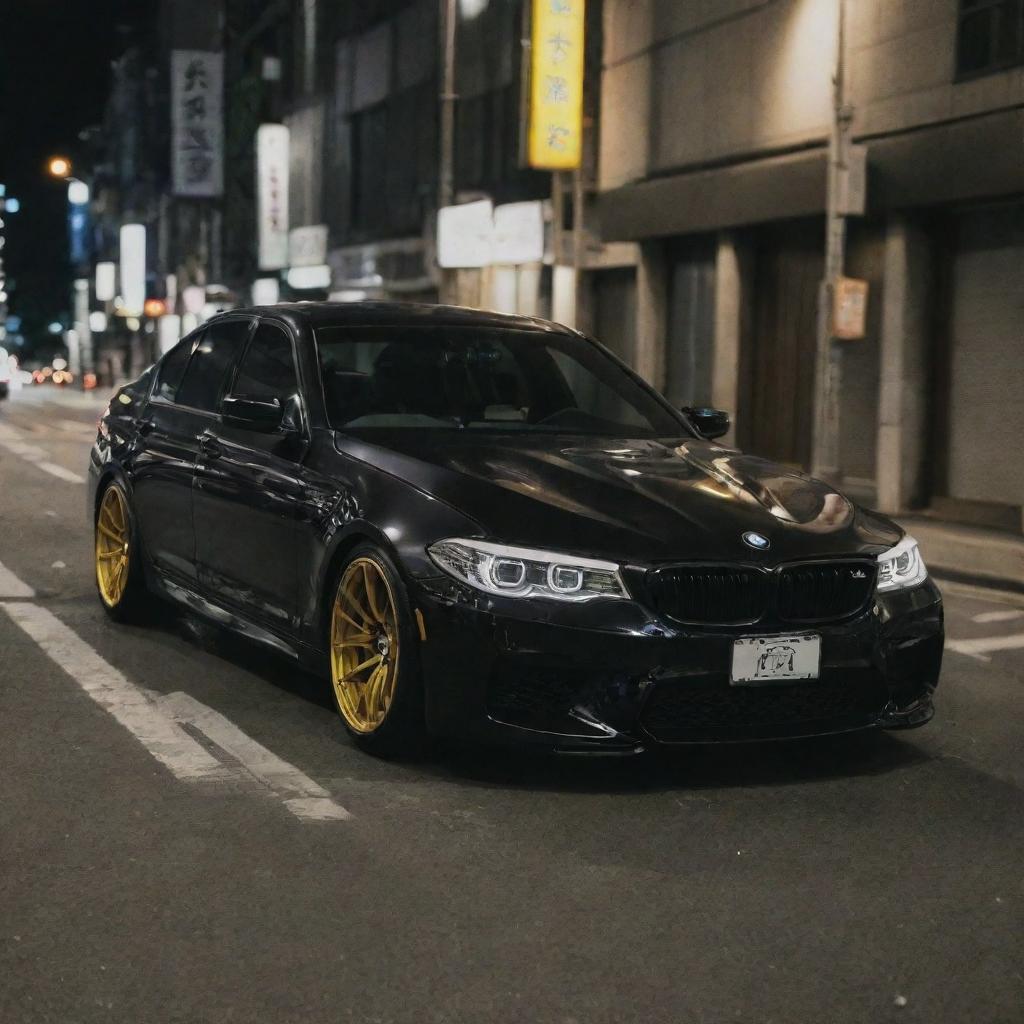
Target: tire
point(374, 659)
point(122, 591)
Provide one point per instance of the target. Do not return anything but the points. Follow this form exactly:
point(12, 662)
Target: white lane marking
point(11, 586)
point(1006, 616)
point(61, 472)
point(978, 648)
point(78, 427)
point(306, 799)
point(163, 738)
point(11, 439)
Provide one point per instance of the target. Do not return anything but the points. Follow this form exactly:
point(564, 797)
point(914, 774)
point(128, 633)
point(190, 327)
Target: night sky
point(54, 72)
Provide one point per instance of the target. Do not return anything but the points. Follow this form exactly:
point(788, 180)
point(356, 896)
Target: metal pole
point(828, 379)
point(446, 173)
point(448, 287)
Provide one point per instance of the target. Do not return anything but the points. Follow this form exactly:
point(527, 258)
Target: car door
point(189, 382)
point(249, 489)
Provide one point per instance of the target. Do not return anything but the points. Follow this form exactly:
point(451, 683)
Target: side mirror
point(709, 423)
point(262, 416)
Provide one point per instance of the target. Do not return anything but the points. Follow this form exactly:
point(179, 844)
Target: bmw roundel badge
point(756, 540)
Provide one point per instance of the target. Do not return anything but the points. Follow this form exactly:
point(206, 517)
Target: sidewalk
point(968, 553)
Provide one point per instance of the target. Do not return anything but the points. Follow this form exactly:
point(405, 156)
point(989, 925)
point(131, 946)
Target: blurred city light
point(55, 327)
point(12, 205)
point(97, 321)
point(59, 166)
point(266, 291)
point(106, 281)
point(133, 267)
point(78, 192)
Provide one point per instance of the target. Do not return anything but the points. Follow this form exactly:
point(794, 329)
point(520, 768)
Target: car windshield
point(469, 378)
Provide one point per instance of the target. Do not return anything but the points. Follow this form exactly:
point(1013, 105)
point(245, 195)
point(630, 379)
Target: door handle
point(210, 447)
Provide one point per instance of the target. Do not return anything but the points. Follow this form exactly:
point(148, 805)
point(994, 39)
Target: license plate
point(769, 659)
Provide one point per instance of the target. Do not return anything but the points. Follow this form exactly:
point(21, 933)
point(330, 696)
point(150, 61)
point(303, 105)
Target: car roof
point(367, 314)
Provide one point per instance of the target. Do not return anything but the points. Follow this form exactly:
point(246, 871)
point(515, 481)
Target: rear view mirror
point(261, 415)
point(709, 423)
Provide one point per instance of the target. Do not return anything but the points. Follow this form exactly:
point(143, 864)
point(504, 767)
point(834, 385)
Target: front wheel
point(119, 577)
point(374, 665)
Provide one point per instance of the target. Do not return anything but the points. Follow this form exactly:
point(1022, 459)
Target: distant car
point(486, 526)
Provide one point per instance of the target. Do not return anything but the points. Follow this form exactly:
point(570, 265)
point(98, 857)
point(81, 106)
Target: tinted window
point(214, 356)
point(172, 367)
point(267, 369)
point(461, 378)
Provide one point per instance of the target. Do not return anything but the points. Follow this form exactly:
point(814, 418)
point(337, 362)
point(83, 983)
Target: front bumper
point(607, 677)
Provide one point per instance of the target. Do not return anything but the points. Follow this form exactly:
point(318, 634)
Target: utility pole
point(828, 367)
point(446, 157)
point(3, 276)
point(446, 169)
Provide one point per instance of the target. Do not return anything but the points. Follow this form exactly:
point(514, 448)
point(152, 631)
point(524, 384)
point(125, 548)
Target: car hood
point(638, 501)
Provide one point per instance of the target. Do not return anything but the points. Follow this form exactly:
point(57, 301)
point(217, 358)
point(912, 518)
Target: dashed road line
point(302, 796)
point(11, 586)
point(1005, 616)
point(979, 647)
point(157, 721)
point(164, 739)
point(11, 439)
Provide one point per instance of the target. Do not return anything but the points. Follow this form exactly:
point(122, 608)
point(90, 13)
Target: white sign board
point(133, 268)
point(266, 291)
point(197, 122)
point(106, 281)
point(465, 235)
point(307, 246)
point(272, 183)
point(519, 233)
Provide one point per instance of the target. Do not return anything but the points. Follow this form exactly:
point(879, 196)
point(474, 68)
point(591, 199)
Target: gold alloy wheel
point(364, 645)
point(112, 547)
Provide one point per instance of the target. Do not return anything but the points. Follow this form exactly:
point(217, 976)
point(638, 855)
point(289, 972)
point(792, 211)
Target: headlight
point(901, 567)
point(524, 572)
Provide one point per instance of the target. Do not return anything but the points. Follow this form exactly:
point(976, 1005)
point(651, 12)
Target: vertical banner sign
point(197, 115)
point(272, 182)
point(133, 268)
point(556, 85)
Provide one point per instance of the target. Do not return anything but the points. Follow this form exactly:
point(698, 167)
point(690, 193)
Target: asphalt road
point(862, 879)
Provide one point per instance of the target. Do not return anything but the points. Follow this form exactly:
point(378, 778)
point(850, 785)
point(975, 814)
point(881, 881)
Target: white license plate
point(768, 659)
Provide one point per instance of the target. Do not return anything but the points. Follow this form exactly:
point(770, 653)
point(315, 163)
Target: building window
point(990, 36)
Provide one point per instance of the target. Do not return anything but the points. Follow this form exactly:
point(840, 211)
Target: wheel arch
point(334, 564)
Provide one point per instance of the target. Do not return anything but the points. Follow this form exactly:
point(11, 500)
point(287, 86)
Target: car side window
point(172, 368)
point(267, 369)
point(212, 359)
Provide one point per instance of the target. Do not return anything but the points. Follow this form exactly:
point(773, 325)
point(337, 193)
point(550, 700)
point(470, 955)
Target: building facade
point(714, 129)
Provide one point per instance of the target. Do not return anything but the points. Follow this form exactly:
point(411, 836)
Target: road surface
point(187, 835)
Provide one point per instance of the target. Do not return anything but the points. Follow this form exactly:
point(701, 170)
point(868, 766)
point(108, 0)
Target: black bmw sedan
point(485, 526)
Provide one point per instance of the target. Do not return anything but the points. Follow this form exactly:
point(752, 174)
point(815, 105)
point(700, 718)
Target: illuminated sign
point(197, 116)
point(556, 85)
point(106, 281)
point(133, 268)
point(465, 234)
point(272, 146)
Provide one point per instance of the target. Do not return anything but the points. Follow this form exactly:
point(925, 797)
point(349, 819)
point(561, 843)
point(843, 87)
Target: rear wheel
point(119, 579)
point(374, 664)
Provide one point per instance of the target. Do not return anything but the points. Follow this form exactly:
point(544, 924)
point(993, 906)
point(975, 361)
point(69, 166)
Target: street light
point(59, 166)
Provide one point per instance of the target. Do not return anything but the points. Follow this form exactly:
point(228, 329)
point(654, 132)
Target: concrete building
point(714, 124)
point(362, 99)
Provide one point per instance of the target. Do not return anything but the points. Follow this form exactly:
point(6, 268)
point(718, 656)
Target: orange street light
point(154, 307)
point(59, 166)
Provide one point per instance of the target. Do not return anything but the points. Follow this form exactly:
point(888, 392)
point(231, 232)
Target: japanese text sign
point(556, 85)
point(197, 118)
